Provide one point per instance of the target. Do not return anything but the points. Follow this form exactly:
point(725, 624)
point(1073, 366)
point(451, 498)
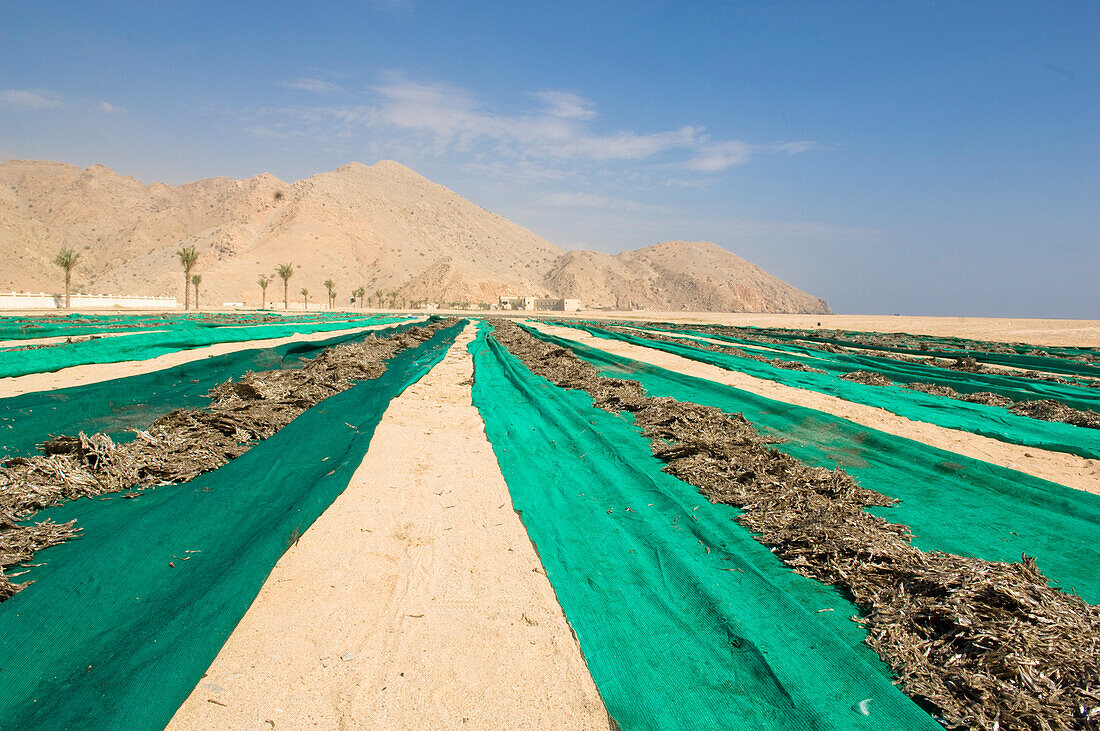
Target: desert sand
point(415, 601)
point(1036, 331)
point(1066, 469)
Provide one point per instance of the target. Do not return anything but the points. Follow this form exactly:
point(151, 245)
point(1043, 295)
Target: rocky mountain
point(382, 227)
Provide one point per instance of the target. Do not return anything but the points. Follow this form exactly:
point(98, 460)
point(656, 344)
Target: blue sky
point(918, 158)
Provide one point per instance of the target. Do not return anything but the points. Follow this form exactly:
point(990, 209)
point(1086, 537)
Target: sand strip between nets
point(82, 375)
point(1065, 469)
point(415, 601)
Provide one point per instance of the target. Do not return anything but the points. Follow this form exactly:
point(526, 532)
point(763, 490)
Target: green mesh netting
point(144, 345)
point(990, 421)
point(685, 621)
point(25, 327)
point(111, 635)
point(116, 406)
point(952, 503)
point(1014, 387)
point(1065, 360)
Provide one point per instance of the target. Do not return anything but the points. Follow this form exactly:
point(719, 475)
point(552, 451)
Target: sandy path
point(415, 601)
point(82, 375)
point(1065, 469)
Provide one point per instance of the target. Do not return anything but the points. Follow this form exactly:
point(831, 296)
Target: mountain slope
point(676, 275)
point(381, 227)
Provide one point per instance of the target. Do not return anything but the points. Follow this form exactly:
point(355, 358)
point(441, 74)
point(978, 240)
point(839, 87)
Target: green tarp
point(952, 503)
point(75, 324)
point(685, 621)
point(990, 421)
point(1014, 387)
point(144, 345)
point(118, 405)
point(113, 636)
point(1061, 359)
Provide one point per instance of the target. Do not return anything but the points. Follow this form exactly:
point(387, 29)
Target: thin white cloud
point(793, 148)
point(30, 98)
point(566, 104)
point(718, 156)
point(110, 108)
point(447, 119)
point(315, 86)
point(570, 199)
point(557, 132)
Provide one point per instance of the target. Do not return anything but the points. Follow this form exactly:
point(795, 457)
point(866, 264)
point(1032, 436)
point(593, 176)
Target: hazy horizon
point(890, 159)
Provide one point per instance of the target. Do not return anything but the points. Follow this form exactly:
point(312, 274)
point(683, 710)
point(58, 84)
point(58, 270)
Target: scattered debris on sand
point(180, 445)
point(867, 378)
point(1044, 410)
point(716, 348)
point(987, 644)
point(66, 341)
point(879, 344)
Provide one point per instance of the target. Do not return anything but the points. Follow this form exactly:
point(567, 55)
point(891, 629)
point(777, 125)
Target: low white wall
point(43, 301)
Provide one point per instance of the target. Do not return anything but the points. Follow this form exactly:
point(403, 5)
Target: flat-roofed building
point(557, 304)
point(517, 302)
point(552, 304)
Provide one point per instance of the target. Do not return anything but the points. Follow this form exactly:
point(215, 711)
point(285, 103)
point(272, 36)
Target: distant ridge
point(382, 227)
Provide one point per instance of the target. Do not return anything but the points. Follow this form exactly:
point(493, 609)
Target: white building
point(553, 304)
point(44, 301)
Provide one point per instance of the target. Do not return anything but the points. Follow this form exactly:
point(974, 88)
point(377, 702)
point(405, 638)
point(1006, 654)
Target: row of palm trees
point(188, 257)
point(286, 271)
point(67, 259)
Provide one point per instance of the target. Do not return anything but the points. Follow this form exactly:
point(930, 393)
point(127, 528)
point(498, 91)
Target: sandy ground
point(415, 601)
point(1066, 469)
point(82, 375)
point(1079, 333)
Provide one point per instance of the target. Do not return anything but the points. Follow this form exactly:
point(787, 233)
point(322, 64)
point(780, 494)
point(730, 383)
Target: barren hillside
point(676, 275)
point(380, 227)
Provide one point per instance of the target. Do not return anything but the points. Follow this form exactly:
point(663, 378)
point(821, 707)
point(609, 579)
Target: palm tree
point(305, 298)
point(378, 297)
point(392, 294)
point(263, 281)
point(188, 256)
point(196, 279)
point(331, 287)
point(286, 271)
point(360, 294)
point(67, 260)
